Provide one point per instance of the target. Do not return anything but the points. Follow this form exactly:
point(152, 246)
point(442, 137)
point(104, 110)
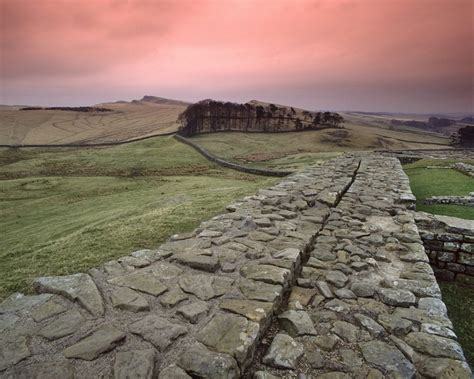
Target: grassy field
point(459, 300)
point(69, 210)
point(126, 121)
point(292, 150)
point(427, 182)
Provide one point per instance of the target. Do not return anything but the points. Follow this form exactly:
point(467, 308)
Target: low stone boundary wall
point(322, 275)
point(465, 168)
point(455, 200)
point(234, 166)
point(449, 243)
point(415, 154)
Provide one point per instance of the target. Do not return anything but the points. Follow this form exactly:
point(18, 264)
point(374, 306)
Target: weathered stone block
point(449, 237)
point(134, 364)
point(283, 352)
point(103, 339)
point(231, 334)
point(451, 246)
point(445, 256)
point(456, 267)
point(202, 363)
point(77, 287)
point(466, 259)
point(13, 351)
point(435, 346)
point(468, 247)
point(158, 330)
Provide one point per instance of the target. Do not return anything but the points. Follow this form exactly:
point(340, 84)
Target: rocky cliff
point(213, 116)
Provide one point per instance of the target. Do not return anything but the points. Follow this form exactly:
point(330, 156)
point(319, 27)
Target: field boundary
point(99, 144)
point(235, 166)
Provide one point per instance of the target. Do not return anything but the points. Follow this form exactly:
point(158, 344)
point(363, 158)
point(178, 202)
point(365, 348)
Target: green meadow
point(69, 210)
point(426, 181)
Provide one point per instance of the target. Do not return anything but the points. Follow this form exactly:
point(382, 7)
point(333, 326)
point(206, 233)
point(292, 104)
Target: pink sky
point(379, 55)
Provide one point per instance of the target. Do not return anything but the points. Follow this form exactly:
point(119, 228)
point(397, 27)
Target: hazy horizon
point(398, 56)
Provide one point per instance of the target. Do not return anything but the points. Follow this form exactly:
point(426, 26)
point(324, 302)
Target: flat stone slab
point(231, 334)
point(13, 351)
point(283, 352)
point(143, 281)
point(173, 372)
point(396, 297)
point(201, 362)
point(257, 311)
point(77, 287)
point(128, 299)
point(102, 340)
point(20, 303)
point(205, 287)
point(173, 297)
point(445, 368)
point(387, 357)
point(7, 321)
point(134, 364)
point(194, 311)
point(266, 273)
point(51, 370)
point(66, 324)
point(296, 323)
point(434, 345)
point(47, 310)
point(199, 262)
point(254, 290)
point(158, 331)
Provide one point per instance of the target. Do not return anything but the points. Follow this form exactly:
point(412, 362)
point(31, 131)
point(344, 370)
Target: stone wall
point(465, 168)
point(322, 275)
point(232, 165)
point(449, 243)
point(409, 156)
point(455, 200)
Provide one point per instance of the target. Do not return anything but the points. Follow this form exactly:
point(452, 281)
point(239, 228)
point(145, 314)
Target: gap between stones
point(273, 328)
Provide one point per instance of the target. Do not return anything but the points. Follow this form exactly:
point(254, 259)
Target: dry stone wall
point(449, 243)
point(455, 200)
point(232, 165)
point(465, 168)
point(322, 275)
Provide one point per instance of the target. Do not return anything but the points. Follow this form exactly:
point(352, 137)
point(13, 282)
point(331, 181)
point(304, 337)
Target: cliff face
point(209, 116)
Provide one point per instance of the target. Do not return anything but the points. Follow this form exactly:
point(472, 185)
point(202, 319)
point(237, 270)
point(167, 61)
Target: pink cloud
point(199, 49)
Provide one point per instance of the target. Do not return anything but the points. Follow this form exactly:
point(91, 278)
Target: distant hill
point(85, 125)
point(153, 115)
point(467, 120)
point(162, 100)
point(433, 123)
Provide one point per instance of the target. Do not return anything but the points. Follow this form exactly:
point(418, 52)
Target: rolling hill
point(151, 115)
point(126, 120)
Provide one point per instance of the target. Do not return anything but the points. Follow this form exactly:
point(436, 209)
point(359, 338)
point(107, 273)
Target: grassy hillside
point(291, 150)
point(460, 302)
point(426, 182)
point(126, 121)
point(69, 210)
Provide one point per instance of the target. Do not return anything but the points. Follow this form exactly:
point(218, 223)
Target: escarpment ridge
point(323, 274)
point(215, 116)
